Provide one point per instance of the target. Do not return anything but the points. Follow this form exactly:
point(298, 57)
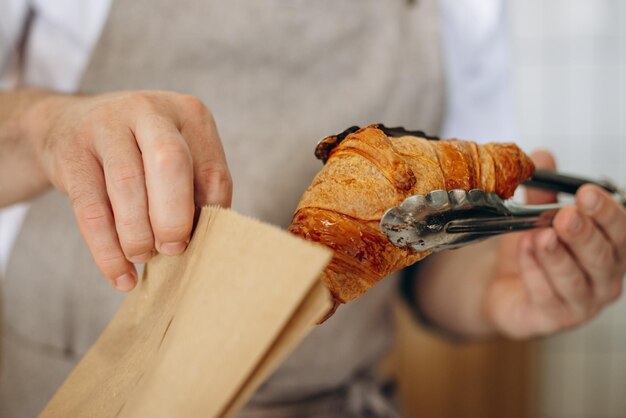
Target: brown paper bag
point(203, 330)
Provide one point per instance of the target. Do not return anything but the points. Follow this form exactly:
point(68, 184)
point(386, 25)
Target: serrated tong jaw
point(449, 219)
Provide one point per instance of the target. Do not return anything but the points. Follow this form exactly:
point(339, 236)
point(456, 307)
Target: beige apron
point(278, 76)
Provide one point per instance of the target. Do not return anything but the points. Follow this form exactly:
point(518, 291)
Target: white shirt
point(63, 34)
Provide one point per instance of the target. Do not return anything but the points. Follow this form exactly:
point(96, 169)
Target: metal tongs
point(450, 219)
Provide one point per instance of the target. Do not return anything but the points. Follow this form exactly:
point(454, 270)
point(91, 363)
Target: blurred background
point(570, 81)
point(569, 68)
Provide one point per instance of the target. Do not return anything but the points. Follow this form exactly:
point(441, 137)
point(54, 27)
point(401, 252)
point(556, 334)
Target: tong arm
point(499, 225)
point(565, 183)
point(520, 217)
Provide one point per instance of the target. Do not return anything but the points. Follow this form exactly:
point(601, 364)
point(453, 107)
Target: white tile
point(595, 99)
point(528, 20)
point(570, 75)
point(579, 51)
point(582, 18)
point(529, 92)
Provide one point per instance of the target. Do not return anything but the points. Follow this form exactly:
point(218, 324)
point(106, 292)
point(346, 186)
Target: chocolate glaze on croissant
point(370, 170)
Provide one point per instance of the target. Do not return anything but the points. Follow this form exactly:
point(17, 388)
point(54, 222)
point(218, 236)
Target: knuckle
point(171, 155)
point(215, 176)
point(126, 173)
point(194, 105)
point(137, 245)
point(130, 222)
point(142, 242)
point(85, 130)
point(140, 100)
point(152, 117)
point(94, 212)
point(135, 235)
point(110, 256)
point(171, 232)
point(134, 228)
point(577, 286)
point(88, 206)
point(111, 265)
point(603, 258)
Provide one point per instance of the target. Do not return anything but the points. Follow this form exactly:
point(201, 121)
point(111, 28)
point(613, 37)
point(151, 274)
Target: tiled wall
point(570, 65)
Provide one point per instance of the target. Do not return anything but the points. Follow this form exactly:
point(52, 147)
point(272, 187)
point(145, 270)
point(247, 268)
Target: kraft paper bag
point(203, 330)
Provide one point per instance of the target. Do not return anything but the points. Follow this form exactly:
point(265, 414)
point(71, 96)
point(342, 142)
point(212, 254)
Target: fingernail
point(575, 223)
point(125, 283)
point(172, 248)
point(549, 240)
point(141, 259)
point(591, 201)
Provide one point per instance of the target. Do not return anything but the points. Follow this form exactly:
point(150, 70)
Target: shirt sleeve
point(61, 40)
point(477, 59)
point(61, 37)
point(13, 14)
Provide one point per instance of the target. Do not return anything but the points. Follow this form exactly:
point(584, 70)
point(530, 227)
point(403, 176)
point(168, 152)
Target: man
point(131, 163)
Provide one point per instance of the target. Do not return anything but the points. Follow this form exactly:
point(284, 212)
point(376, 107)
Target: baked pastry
point(370, 170)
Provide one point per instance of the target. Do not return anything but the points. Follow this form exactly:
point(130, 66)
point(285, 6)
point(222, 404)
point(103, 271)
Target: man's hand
point(135, 165)
point(555, 278)
point(535, 282)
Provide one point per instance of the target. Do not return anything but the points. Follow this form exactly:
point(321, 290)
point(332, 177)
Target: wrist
point(453, 288)
point(34, 125)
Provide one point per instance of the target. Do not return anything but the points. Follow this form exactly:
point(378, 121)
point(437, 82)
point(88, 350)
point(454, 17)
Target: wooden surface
point(439, 379)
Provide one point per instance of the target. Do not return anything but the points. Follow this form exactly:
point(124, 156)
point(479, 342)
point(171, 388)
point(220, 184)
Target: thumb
point(544, 160)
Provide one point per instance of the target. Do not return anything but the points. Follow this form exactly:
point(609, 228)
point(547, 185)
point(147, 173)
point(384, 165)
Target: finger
point(126, 187)
point(169, 182)
point(545, 307)
point(86, 190)
point(608, 214)
point(212, 180)
point(544, 160)
point(539, 290)
point(567, 279)
point(592, 250)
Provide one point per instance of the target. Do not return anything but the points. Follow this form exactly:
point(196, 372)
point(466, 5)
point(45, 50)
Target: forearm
point(451, 286)
point(21, 175)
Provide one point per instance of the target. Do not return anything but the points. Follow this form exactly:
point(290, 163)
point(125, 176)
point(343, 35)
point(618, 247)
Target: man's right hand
point(134, 165)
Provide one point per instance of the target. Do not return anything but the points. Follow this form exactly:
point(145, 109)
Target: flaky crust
point(368, 172)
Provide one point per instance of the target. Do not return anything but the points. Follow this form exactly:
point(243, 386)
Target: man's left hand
point(555, 278)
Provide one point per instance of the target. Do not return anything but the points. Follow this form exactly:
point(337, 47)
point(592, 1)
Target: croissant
point(370, 170)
